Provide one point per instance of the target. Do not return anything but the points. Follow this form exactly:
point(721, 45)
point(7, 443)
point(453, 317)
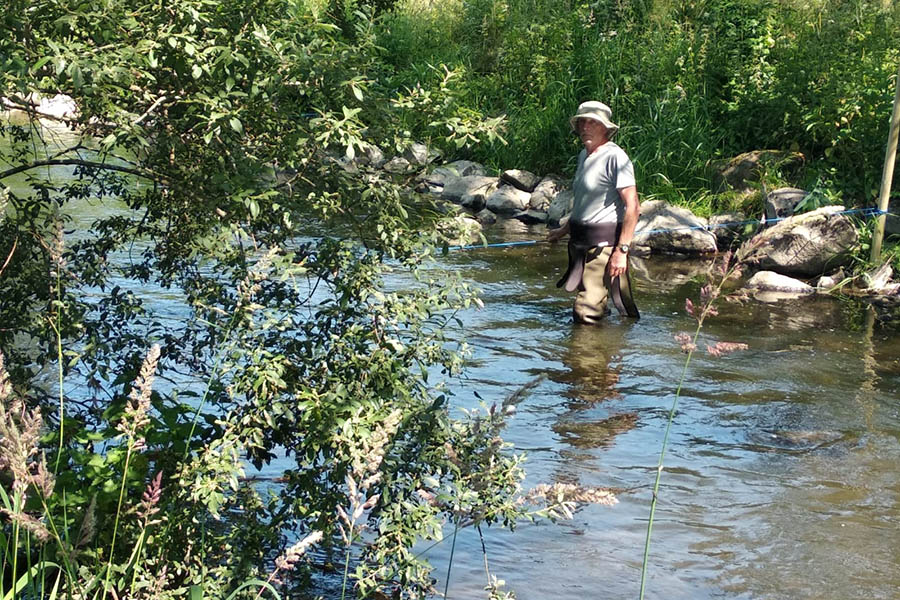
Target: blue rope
point(866, 212)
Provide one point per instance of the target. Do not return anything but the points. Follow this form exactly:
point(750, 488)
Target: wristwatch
point(623, 248)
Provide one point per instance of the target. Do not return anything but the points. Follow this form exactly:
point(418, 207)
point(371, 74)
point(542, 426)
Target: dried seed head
point(135, 417)
point(149, 501)
point(723, 348)
point(33, 525)
point(292, 555)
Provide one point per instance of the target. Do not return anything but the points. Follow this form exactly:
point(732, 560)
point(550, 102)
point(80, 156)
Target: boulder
point(666, 228)
point(826, 283)
point(532, 217)
point(544, 193)
point(521, 180)
point(560, 206)
point(737, 172)
point(508, 200)
point(781, 203)
point(807, 244)
point(455, 189)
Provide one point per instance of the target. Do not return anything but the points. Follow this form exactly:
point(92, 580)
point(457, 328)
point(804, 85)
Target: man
point(604, 215)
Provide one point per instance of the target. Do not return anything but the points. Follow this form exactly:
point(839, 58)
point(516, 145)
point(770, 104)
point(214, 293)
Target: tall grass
point(688, 81)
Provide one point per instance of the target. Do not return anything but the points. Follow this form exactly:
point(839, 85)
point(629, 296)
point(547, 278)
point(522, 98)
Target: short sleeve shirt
point(598, 179)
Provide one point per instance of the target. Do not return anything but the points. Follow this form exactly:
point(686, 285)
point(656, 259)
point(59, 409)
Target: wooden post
point(887, 176)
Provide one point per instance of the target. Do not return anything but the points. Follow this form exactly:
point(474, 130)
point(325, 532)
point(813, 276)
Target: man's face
point(591, 132)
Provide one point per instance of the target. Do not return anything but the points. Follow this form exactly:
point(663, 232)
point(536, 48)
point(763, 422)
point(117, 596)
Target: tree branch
point(76, 162)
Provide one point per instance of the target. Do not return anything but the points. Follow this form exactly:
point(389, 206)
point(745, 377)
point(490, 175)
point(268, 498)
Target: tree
point(216, 137)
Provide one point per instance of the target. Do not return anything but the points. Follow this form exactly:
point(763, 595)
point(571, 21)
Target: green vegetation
point(690, 81)
point(236, 301)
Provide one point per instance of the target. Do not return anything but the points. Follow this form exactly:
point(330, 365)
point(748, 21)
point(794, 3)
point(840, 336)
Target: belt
point(583, 237)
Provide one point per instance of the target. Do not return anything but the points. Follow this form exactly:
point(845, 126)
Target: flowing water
point(781, 479)
point(781, 476)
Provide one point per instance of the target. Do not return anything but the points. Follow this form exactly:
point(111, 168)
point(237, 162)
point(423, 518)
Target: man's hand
point(617, 263)
point(554, 235)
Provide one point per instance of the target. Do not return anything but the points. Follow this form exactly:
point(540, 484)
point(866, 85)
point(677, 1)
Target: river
point(781, 478)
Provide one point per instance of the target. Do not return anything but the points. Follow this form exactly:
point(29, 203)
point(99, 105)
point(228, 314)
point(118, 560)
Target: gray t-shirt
point(597, 182)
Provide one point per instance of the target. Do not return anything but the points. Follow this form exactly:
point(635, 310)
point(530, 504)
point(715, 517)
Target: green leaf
point(196, 71)
point(236, 124)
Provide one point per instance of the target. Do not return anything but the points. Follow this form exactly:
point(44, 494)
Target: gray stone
point(667, 228)
point(774, 282)
point(560, 206)
point(461, 231)
point(892, 222)
point(736, 173)
point(730, 228)
point(767, 286)
point(531, 217)
point(878, 279)
point(372, 156)
point(420, 154)
point(454, 170)
point(397, 165)
point(808, 244)
point(476, 200)
point(508, 200)
point(521, 180)
point(544, 193)
point(486, 217)
point(780, 203)
point(455, 189)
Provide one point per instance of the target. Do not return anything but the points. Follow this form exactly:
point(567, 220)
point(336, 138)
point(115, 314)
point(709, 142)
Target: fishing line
point(865, 212)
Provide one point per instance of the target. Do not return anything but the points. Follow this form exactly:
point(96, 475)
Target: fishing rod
point(865, 212)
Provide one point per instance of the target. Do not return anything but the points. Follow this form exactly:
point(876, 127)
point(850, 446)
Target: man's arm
point(618, 261)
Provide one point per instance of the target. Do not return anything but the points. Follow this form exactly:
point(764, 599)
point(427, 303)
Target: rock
point(892, 223)
point(521, 180)
point(397, 165)
point(476, 200)
point(544, 193)
point(531, 217)
point(773, 282)
point(747, 167)
point(486, 217)
point(420, 154)
point(455, 189)
point(454, 170)
point(508, 200)
point(780, 203)
point(461, 231)
point(666, 228)
point(807, 244)
point(878, 279)
point(372, 156)
point(560, 206)
point(772, 287)
point(828, 282)
point(730, 228)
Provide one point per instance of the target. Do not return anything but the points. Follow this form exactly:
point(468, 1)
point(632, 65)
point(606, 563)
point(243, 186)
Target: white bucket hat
point(596, 111)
